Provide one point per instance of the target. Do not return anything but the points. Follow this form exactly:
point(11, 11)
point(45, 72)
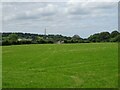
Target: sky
point(65, 18)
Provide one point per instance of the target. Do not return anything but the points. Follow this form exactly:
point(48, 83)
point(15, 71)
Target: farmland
point(90, 65)
point(0, 67)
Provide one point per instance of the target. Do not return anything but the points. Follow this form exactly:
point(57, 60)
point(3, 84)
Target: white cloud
point(32, 13)
point(71, 1)
point(66, 17)
point(60, 0)
point(90, 9)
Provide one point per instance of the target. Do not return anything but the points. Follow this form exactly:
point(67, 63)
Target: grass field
point(93, 65)
point(0, 67)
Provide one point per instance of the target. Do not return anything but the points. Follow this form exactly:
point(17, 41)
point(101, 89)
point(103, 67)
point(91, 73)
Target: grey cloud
point(30, 13)
point(103, 5)
point(86, 9)
point(67, 19)
point(78, 11)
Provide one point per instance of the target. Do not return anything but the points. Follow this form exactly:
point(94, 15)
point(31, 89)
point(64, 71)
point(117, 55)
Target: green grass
point(93, 65)
point(0, 67)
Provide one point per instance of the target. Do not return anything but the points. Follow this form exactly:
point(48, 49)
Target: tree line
point(28, 38)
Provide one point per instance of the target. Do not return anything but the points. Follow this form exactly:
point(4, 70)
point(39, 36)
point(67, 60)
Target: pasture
point(90, 65)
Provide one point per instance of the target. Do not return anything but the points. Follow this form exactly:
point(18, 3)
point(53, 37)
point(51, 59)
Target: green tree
point(76, 37)
point(94, 38)
point(115, 39)
point(13, 37)
point(114, 34)
point(104, 36)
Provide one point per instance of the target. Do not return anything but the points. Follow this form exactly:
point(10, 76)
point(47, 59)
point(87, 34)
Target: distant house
point(59, 42)
point(24, 39)
point(19, 39)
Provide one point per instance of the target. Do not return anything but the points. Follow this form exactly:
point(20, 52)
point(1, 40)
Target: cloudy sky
point(66, 18)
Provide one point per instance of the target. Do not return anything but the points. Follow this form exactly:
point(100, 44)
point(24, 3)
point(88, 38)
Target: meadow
point(89, 65)
point(0, 67)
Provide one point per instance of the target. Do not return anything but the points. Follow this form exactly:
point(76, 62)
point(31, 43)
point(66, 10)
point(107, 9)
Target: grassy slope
point(66, 65)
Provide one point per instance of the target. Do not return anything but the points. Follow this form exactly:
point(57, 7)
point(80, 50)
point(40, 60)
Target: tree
point(13, 37)
point(114, 34)
point(94, 38)
point(76, 37)
point(100, 37)
point(104, 36)
point(115, 39)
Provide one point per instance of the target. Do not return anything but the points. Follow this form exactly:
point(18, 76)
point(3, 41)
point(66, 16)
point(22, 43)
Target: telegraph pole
point(45, 33)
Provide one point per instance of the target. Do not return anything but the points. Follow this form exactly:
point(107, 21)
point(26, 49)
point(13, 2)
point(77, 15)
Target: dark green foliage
point(76, 37)
point(94, 38)
point(115, 39)
point(27, 38)
point(100, 37)
point(114, 34)
point(13, 37)
point(105, 37)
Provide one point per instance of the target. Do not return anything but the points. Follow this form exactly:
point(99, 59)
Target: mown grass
point(92, 65)
point(0, 67)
